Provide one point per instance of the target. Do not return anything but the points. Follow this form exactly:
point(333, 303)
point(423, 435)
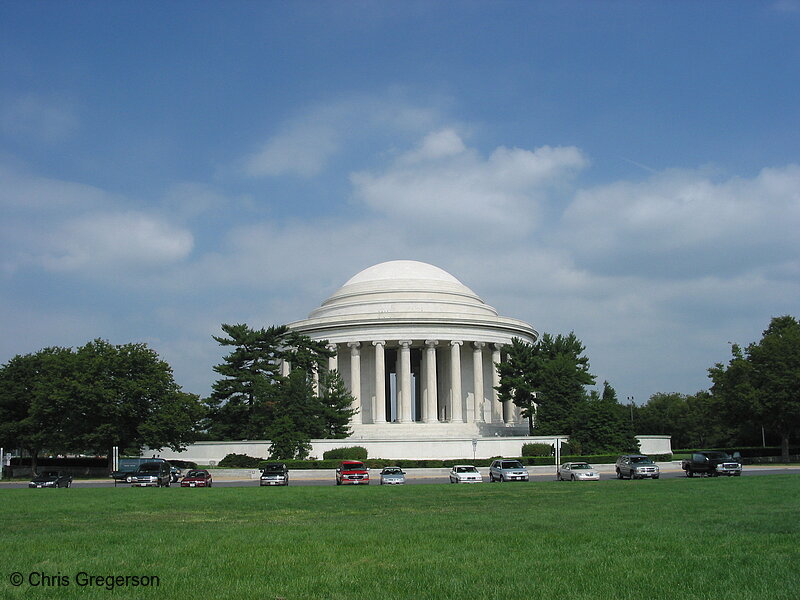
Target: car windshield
point(150, 468)
point(717, 455)
point(196, 474)
point(511, 464)
point(466, 470)
point(391, 471)
point(353, 467)
point(642, 460)
point(580, 466)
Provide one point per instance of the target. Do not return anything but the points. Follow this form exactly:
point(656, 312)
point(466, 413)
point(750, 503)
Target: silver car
point(577, 471)
point(392, 476)
point(274, 474)
point(636, 466)
point(465, 474)
point(507, 470)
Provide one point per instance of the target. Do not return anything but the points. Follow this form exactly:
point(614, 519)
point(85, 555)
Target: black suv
point(636, 466)
point(152, 474)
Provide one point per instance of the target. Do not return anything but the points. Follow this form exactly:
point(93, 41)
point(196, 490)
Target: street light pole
point(630, 401)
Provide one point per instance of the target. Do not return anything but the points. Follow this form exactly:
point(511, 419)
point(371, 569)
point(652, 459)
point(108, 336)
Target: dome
point(402, 269)
point(403, 287)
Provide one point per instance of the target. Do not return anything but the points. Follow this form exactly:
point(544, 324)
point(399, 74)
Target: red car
point(352, 472)
point(197, 478)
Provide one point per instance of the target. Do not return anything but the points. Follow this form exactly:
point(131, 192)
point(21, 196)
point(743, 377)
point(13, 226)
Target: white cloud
point(67, 226)
point(302, 149)
point(446, 187)
point(42, 119)
point(116, 240)
point(685, 222)
point(304, 145)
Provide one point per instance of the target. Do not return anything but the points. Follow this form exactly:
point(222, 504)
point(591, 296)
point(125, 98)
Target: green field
point(726, 538)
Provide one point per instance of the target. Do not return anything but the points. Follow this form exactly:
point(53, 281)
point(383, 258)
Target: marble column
point(380, 382)
point(355, 380)
point(497, 408)
point(456, 410)
point(404, 382)
point(477, 379)
point(429, 414)
point(285, 368)
point(333, 361)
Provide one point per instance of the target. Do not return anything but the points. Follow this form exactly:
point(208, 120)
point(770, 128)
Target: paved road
point(427, 476)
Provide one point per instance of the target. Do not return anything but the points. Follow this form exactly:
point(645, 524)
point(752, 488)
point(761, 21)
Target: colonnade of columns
point(434, 401)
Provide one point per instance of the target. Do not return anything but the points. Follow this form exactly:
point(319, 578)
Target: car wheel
point(619, 475)
point(739, 474)
point(655, 476)
point(689, 473)
point(572, 478)
point(168, 482)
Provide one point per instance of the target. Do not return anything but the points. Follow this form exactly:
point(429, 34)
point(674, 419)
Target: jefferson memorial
point(417, 350)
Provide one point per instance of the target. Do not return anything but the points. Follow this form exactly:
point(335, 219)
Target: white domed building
point(416, 348)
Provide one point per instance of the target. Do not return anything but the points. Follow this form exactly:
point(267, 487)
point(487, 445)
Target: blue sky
point(626, 170)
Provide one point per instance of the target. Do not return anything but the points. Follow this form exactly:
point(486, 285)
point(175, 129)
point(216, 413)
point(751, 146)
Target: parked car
point(711, 464)
point(127, 466)
point(51, 479)
point(352, 472)
point(507, 470)
point(197, 478)
point(275, 474)
point(152, 474)
point(577, 471)
point(636, 466)
point(392, 476)
point(174, 473)
point(465, 474)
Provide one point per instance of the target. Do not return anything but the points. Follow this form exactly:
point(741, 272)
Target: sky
point(629, 171)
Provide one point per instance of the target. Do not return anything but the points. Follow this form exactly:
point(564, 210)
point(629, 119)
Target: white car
point(577, 471)
point(393, 476)
point(465, 474)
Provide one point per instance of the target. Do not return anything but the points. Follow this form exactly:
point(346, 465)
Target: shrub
point(348, 453)
point(239, 461)
point(538, 449)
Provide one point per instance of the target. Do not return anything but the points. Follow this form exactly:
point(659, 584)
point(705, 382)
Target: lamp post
point(630, 401)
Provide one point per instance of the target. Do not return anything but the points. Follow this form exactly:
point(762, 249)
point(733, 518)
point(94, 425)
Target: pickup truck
point(711, 464)
point(352, 472)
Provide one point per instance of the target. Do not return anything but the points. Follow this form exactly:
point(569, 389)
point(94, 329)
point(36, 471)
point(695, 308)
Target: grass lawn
point(720, 539)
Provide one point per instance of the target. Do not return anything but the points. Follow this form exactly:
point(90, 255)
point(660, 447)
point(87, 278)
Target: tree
point(248, 372)
point(337, 405)
point(34, 402)
point(519, 381)
point(693, 421)
point(602, 425)
point(95, 398)
point(254, 400)
point(763, 382)
point(546, 379)
point(564, 373)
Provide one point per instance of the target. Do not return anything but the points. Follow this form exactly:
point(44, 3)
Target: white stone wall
point(487, 447)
